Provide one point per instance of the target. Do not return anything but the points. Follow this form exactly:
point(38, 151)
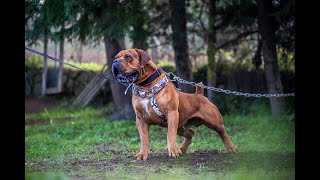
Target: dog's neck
point(148, 70)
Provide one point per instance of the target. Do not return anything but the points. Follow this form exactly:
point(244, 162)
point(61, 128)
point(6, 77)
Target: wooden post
point(60, 71)
point(89, 91)
point(79, 51)
point(45, 66)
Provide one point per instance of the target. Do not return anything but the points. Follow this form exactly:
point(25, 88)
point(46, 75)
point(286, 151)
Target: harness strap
point(157, 110)
point(150, 94)
point(154, 89)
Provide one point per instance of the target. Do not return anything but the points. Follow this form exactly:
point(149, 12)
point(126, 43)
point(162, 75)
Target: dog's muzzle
point(116, 68)
point(117, 71)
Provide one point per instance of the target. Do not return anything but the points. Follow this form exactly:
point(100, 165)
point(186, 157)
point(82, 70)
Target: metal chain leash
point(175, 78)
point(236, 93)
point(101, 75)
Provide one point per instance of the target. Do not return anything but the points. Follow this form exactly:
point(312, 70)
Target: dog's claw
point(174, 151)
point(141, 156)
point(232, 148)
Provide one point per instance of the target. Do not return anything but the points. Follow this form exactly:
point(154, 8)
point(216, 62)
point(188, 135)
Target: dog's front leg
point(173, 121)
point(143, 129)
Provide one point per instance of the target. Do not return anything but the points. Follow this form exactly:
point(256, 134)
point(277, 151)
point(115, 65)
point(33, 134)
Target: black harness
point(154, 76)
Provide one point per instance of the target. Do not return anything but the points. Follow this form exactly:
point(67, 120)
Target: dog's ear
point(144, 58)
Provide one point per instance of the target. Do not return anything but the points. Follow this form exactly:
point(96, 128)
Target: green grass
point(80, 142)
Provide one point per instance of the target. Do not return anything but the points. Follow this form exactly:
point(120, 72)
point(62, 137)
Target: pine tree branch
point(236, 39)
point(199, 18)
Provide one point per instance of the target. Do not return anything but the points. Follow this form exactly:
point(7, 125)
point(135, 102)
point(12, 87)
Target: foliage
point(286, 60)
point(86, 65)
point(85, 20)
point(167, 66)
point(36, 63)
point(77, 134)
point(44, 19)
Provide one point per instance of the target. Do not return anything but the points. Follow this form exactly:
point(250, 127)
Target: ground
point(35, 105)
point(65, 142)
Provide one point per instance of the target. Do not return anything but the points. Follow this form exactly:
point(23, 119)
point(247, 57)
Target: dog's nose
point(116, 61)
point(116, 67)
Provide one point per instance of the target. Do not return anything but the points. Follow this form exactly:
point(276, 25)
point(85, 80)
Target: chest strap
point(157, 110)
point(150, 94)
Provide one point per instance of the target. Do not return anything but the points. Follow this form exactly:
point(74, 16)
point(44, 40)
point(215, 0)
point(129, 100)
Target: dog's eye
point(127, 57)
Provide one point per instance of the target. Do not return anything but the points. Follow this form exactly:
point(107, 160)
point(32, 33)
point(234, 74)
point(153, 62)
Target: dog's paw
point(174, 150)
point(141, 156)
point(231, 148)
point(184, 147)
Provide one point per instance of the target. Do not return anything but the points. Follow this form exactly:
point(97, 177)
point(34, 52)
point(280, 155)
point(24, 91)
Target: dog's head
point(129, 64)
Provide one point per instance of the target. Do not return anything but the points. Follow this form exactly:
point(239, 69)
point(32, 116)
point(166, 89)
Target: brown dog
point(156, 101)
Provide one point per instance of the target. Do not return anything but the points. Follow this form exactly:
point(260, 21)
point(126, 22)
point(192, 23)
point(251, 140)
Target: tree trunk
point(211, 71)
point(121, 102)
point(45, 66)
point(271, 69)
point(79, 52)
point(60, 70)
point(141, 42)
point(139, 35)
point(180, 43)
point(55, 53)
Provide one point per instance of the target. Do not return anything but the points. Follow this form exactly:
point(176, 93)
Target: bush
point(36, 63)
point(167, 66)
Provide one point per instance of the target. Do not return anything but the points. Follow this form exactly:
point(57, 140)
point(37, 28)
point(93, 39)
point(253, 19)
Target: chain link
point(236, 93)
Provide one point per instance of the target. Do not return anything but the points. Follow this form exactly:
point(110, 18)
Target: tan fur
point(181, 109)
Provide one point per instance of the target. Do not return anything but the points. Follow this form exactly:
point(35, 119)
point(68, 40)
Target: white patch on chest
point(145, 102)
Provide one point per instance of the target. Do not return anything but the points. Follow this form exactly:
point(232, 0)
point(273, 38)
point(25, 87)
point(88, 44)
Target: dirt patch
point(35, 104)
point(194, 163)
point(35, 121)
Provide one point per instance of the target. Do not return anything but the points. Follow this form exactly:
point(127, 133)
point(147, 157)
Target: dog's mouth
point(128, 78)
point(125, 78)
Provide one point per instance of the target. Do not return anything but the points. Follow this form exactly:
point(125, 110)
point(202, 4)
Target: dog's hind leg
point(212, 118)
point(187, 134)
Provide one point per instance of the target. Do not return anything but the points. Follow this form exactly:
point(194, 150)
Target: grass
point(79, 142)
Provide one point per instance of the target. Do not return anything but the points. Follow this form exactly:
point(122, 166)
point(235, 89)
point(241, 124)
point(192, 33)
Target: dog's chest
point(144, 110)
point(145, 103)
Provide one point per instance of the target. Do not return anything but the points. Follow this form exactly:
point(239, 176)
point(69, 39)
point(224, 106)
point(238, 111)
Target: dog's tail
point(199, 88)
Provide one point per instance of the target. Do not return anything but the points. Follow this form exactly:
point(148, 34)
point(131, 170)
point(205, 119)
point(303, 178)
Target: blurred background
point(245, 46)
point(73, 119)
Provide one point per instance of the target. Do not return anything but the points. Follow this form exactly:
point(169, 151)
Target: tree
point(45, 65)
point(180, 43)
point(61, 56)
point(139, 20)
point(121, 102)
point(40, 21)
point(268, 43)
point(37, 22)
point(211, 71)
point(113, 29)
point(96, 20)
